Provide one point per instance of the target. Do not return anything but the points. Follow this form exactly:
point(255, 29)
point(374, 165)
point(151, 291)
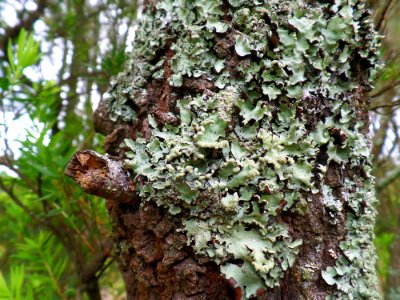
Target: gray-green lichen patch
point(236, 165)
point(300, 48)
point(354, 271)
point(246, 149)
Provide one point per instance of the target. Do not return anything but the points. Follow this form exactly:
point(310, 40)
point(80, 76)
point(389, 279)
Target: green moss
point(242, 154)
point(307, 273)
point(301, 206)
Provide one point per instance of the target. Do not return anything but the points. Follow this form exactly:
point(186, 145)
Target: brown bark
point(156, 261)
point(101, 176)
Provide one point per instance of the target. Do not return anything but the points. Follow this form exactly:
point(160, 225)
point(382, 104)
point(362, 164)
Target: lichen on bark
point(246, 116)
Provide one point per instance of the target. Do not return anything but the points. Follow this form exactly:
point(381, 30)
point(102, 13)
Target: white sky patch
point(39, 27)
point(95, 97)
point(9, 15)
point(17, 4)
point(122, 29)
point(93, 2)
point(130, 38)
point(14, 130)
point(30, 5)
point(33, 73)
point(51, 65)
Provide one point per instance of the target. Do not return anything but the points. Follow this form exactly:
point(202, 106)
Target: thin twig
point(396, 136)
point(19, 202)
point(394, 105)
point(385, 89)
point(105, 267)
point(382, 17)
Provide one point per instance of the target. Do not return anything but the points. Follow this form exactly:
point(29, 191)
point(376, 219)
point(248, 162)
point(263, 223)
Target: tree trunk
point(243, 126)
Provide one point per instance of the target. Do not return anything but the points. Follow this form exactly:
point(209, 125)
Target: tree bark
point(244, 127)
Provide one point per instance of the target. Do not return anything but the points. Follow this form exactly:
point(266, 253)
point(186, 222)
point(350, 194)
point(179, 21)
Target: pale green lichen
point(354, 272)
point(233, 169)
point(241, 154)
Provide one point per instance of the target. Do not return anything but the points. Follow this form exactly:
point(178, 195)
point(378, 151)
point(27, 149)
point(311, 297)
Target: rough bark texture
point(154, 258)
point(156, 261)
point(261, 66)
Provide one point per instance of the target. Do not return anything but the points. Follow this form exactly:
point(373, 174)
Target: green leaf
point(5, 293)
point(4, 84)
point(28, 50)
point(17, 281)
point(10, 55)
point(27, 53)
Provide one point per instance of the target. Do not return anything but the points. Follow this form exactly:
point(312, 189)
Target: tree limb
point(101, 176)
point(382, 16)
point(385, 89)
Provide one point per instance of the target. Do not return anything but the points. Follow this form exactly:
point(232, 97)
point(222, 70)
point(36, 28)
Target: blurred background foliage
point(386, 147)
point(57, 59)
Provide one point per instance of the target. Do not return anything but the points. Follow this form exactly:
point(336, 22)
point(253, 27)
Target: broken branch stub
point(101, 176)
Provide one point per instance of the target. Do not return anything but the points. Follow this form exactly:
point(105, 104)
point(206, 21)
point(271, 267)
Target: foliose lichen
point(241, 153)
point(354, 271)
point(231, 180)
